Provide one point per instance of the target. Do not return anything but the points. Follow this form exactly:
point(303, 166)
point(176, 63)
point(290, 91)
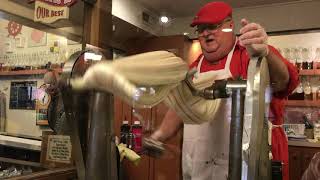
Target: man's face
point(215, 38)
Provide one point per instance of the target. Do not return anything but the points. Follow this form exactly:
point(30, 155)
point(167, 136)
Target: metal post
point(236, 128)
point(101, 158)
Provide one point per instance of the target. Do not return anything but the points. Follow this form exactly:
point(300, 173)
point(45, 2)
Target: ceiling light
point(185, 33)
point(164, 19)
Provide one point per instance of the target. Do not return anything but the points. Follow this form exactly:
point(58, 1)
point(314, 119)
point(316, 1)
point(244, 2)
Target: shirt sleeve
point(293, 76)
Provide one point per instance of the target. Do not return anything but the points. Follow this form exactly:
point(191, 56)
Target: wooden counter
point(20, 142)
point(303, 144)
point(300, 155)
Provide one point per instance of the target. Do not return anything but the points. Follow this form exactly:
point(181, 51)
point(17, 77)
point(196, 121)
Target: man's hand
point(254, 38)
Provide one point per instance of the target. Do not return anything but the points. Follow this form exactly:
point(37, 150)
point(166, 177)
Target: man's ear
point(232, 25)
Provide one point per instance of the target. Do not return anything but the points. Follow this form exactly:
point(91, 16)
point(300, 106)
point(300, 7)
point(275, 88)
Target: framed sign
point(23, 95)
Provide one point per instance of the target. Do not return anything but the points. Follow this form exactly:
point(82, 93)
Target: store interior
point(31, 53)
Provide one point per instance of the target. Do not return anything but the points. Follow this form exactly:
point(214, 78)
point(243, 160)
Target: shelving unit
point(306, 103)
point(311, 72)
point(27, 72)
point(303, 103)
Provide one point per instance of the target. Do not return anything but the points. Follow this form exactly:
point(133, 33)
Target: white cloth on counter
point(147, 79)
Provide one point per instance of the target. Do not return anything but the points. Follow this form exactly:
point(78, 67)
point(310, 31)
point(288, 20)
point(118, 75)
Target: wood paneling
point(169, 165)
point(299, 159)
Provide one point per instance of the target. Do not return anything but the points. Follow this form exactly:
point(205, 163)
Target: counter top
point(20, 142)
point(303, 143)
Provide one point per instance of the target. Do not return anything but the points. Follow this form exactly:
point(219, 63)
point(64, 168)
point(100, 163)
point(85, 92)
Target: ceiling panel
point(187, 8)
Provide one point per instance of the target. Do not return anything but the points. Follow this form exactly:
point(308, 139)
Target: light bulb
point(164, 19)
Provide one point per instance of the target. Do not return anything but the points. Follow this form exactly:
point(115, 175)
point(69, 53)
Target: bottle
point(137, 133)
point(124, 132)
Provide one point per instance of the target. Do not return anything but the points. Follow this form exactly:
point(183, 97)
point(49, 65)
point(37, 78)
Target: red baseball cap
point(212, 13)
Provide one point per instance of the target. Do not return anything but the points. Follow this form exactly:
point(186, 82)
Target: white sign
point(59, 148)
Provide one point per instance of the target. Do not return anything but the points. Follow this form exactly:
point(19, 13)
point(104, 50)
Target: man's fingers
point(250, 27)
point(251, 34)
point(244, 22)
point(252, 41)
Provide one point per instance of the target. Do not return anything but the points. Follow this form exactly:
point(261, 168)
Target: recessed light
point(185, 33)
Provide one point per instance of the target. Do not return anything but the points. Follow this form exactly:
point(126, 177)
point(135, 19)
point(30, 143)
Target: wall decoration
point(8, 47)
point(43, 100)
point(20, 42)
point(37, 38)
point(14, 29)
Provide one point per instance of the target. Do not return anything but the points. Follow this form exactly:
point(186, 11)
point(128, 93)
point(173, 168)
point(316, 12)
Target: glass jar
point(307, 91)
point(299, 92)
point(317, 57)
point(296, 55)
point(316, 131)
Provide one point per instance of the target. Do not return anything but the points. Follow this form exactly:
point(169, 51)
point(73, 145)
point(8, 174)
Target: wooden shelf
point(42, 122)
point(303, 103)
point(26, 72)
point(309, 72)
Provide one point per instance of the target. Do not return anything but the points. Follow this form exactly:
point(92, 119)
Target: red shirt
point(239, 67)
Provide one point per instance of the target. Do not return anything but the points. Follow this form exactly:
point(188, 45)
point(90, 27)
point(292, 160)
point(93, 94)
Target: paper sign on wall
point(59, 148)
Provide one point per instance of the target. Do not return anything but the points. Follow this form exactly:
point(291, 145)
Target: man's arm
point(170, 125)
point(254, 38)
point(279, 75)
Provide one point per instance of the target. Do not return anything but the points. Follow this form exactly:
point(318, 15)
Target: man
point(205, 146)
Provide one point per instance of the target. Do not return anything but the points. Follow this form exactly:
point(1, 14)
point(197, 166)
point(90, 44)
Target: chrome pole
point(101, 156)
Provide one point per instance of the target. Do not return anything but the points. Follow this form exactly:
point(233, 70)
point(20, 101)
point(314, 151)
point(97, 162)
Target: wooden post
point(98, 24)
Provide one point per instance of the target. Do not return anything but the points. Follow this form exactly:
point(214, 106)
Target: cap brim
point(204, 21)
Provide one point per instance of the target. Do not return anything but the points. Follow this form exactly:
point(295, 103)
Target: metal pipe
point(241, 84)
point(101, 157)
point(236, 129)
